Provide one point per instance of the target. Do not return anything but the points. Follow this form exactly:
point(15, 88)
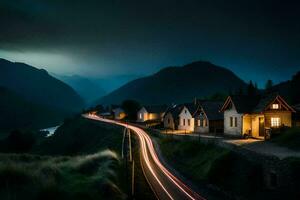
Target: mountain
point(290, 89)
point(110, 83)
point(16, 112)
point(178, 84)
point(37, 86)
point(86, 88)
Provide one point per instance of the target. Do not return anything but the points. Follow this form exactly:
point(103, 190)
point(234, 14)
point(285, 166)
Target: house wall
point(154, 116)
point(119, 113)
point(247, 124)
point(185, 115)
point(255, 125)
point(285, 117)
point(234, 131)
point(198, 128)
point(168, 121)
point(142, 115)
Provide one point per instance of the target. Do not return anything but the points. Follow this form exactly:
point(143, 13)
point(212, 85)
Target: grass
point(290, 138)
point(44, 177)
point(80, 161)
point(195, 158)
point(209, 164)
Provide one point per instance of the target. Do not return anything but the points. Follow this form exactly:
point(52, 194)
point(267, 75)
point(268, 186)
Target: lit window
point(275, 106)
point(204, 123)
point(140, 115)
point(275, 121)
point(198, 122)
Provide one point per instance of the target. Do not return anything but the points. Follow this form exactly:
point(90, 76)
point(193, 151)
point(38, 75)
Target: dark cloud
point(122, 36)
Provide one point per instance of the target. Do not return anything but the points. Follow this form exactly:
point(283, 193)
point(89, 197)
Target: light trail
point(175, 185)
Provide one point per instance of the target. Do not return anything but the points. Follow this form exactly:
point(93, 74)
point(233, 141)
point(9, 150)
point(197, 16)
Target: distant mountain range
point(178, 84)
point(28, 93)
point(88, 89)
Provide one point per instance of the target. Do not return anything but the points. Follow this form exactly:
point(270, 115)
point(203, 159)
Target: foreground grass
point(290, 139)
point(42, 177)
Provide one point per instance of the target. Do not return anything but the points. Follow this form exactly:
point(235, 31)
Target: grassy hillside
point(178, 84)
point(82, 136)
point(81, 161)
point(231, 172)
point(29, 177)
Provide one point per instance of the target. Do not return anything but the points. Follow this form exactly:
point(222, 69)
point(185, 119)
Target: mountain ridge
point(177, 84)
point(37, 86)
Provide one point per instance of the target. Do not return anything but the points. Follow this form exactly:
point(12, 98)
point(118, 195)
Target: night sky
point(257, 39)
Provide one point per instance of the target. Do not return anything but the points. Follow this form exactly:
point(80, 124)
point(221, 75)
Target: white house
point(186, 120)
point(180, 117)
point(153, 113)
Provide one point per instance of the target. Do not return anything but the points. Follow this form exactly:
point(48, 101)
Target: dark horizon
point(257, 40)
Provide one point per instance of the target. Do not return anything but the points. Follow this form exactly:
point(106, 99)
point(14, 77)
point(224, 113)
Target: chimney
point(195, 101)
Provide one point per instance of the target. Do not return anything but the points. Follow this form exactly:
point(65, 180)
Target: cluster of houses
point(239, 115)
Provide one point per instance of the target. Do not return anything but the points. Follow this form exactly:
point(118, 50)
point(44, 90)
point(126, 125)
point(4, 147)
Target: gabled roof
point(192, 107)
point(176, 109)
point(156, 108)
point(212, 109)
point(254, 104)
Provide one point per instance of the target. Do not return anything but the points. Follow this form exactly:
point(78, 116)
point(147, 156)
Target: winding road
point(163, 183)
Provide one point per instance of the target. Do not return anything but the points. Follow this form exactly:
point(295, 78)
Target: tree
point(269, 84)
point(251, 90)
point(295, 88)
point(218, 96)
point(131, 107)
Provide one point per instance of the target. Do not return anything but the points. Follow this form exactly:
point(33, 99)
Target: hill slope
point(37, 86)
point(177, 84)
point(85, 87)
point(16, 112)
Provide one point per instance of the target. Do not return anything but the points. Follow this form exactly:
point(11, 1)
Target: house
point(254, 115)
point(208, 118)
point(151, 113)
point(118, 112)
point(180, 117)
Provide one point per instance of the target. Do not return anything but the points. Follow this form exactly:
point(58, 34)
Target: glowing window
point(275, 106)
point(275, 121)
point(198, 122)
point(140, 115)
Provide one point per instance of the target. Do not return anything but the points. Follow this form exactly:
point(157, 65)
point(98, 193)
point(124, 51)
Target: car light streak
point(147, 146)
